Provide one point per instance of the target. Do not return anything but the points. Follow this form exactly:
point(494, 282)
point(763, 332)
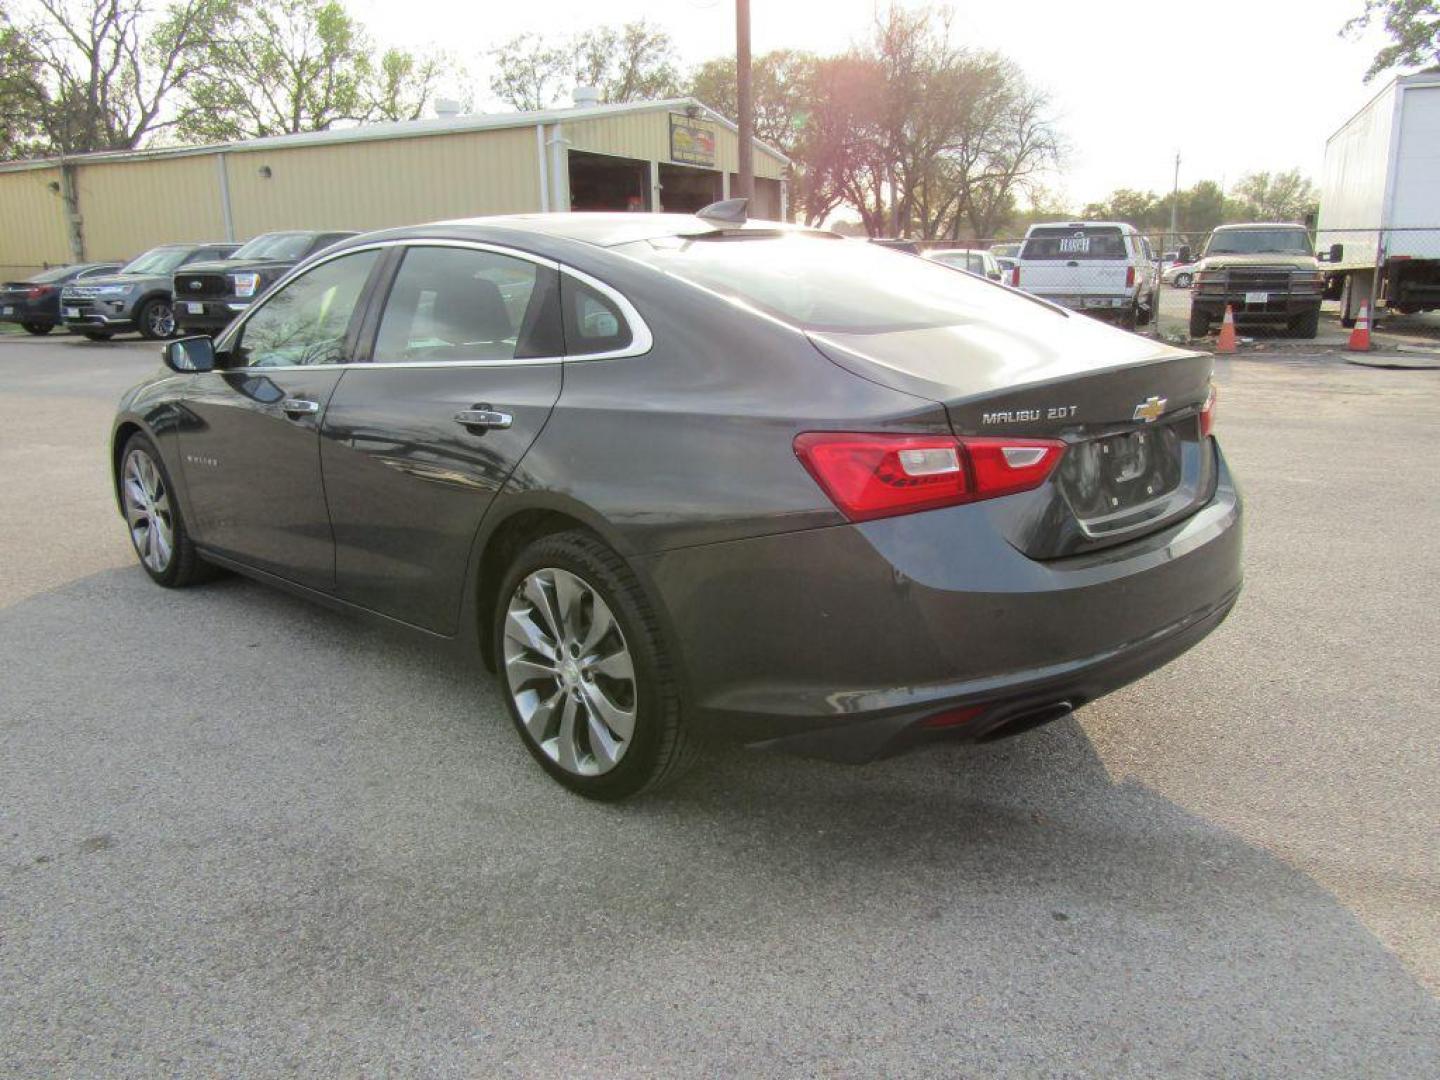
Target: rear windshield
point(159, 260)
point(1260, 242)
point(60, 273)
point(826, 284)
point(1069, 242)
point(275, 246)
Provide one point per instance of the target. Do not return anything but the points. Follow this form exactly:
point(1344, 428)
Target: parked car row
point(170, 289)
point(35, 302)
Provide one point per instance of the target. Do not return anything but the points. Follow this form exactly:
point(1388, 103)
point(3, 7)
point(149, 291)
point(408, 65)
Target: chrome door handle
point(483, 418)
point(292, 406)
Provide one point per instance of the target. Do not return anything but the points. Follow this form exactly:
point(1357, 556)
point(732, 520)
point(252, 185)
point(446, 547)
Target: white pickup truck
point(1103, 268)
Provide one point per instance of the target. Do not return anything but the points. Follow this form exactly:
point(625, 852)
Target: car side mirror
point(1184, 255)
point(190, 355)
point(1337, 253)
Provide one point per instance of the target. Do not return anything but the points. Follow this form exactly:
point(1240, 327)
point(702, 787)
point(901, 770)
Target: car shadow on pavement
point(243, 833)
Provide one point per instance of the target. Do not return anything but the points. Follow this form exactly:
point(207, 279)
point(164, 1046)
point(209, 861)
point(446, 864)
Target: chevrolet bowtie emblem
point(1151, 409)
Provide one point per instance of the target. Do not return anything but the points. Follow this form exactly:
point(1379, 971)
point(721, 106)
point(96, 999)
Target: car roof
point(1122, 225)
point(957, 251)
point(1260, 225)
point(608, 229)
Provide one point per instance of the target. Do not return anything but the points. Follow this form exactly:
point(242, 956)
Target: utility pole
point(1174, 206)
point(745, 180)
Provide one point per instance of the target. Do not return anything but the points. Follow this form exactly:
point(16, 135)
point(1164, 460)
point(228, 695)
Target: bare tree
point(531, 72)
point(109, 68)
point(635, 62)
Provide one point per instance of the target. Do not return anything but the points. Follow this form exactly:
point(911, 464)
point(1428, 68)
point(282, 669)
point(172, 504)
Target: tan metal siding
point(373, 185)
point(32, 222)
point(647, 136)
point(129, 207)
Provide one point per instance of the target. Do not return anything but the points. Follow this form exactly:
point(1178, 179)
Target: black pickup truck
point(208, 295)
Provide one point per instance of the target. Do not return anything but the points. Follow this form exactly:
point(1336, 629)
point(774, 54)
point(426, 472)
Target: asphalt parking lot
point(240, 835)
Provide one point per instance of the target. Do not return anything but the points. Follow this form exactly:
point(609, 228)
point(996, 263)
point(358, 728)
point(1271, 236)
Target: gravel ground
point(240, 835)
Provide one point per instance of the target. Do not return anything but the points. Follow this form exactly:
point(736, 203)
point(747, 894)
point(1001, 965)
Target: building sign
point(691, 142)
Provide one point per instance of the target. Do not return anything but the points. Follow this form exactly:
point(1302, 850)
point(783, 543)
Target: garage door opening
point(600, 182)
point(684, 190)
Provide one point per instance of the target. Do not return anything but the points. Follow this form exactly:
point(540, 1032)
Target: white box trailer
point(1380, 200)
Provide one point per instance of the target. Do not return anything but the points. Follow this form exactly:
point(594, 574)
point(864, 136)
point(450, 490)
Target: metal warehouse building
point(665, 155)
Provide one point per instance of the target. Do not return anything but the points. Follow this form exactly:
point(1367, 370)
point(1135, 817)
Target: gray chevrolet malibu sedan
point(673, 476)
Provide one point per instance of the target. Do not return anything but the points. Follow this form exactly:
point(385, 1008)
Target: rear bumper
point(841, 642)
point(1108, 303)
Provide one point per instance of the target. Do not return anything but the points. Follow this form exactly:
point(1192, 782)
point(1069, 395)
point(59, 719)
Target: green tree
point(299, 65)
point(22, 93)
point(1139, 208)
point(1414, 29)
point(1286, 196)
point(782, 88)
point(634, 63)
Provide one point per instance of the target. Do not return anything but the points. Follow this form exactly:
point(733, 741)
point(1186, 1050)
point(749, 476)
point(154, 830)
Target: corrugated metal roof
point(405, 129)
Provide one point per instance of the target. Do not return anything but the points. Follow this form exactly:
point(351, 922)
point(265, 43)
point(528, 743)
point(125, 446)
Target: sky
point(1233, 86)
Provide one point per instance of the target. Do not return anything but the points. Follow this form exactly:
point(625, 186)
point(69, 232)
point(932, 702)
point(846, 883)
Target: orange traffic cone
point(1227, 332)
point(1360, 336)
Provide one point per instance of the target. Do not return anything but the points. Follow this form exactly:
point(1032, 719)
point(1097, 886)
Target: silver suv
point(136, 298)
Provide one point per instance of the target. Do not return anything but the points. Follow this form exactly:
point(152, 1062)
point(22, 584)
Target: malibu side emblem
point(1151, 409)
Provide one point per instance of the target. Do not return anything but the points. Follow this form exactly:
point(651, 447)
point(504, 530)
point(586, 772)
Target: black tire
point(1182, 281)
point(661, 747)
point(1199, 324)
point(97, 335)
point(185, 567)
point(39, 329)
point(1146, 315)
point(1306, 325)
point(156, 319)
point(1131, 318)
point(1346, 320)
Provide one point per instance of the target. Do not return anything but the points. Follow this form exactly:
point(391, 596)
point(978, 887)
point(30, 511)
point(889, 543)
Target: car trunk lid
point(1128, 409)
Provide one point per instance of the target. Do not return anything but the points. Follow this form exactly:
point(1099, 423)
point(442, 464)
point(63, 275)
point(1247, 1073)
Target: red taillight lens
point(35, 292)
point(874, 476)
point(1004, 466)
point(1129, 277)
point(1015, 276)
point(1207, 414)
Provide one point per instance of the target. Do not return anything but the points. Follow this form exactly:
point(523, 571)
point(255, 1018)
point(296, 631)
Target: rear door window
point(453, 304)
point(1078, 243)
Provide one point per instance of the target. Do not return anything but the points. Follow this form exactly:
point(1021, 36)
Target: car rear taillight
point(1130, 277)
point(874, 476)
point(35, 292)
point(1207, 414)
point(1015, 276)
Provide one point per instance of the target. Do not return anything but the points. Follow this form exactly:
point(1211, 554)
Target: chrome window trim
point(641, 340)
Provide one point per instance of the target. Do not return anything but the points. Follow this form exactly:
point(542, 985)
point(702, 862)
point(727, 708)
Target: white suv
point(1103, 268)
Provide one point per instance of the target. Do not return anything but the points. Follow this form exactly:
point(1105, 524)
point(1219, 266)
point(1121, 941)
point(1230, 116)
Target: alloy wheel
point(161, 318)
point(569, 671)
point(147, 511)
